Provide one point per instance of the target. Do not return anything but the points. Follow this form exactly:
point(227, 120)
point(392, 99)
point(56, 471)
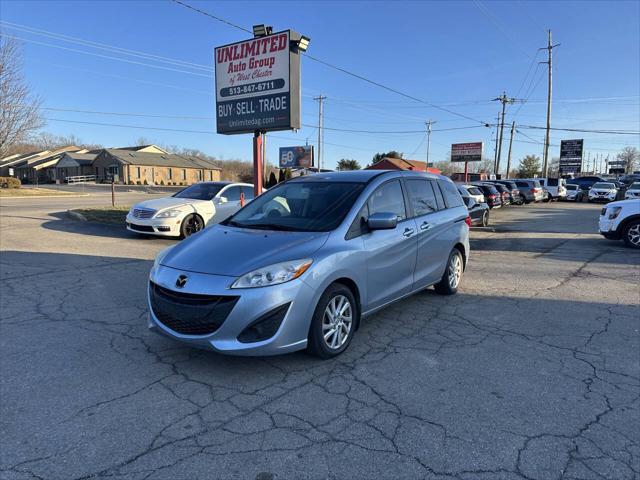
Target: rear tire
point(452, 275)
point(631, 234)
point(485, 218)
point(334, 322)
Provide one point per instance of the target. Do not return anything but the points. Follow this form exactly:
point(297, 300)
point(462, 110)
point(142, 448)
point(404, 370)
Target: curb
point(76, 215)
point(73, 195)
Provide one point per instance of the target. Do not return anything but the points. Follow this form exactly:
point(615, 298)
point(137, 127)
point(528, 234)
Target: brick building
point(389, 163)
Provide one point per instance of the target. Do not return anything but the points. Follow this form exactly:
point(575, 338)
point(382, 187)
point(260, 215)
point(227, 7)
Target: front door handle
point(425, 226)
point(408, 232)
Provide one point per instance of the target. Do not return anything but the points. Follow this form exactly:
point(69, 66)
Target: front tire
point(191, 224)
point(631, 234)
point(485, 218)
point(452, 275)
point(334, 322)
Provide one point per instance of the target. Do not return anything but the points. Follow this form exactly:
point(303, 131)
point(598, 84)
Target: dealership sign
point(258, 85)
point(570, 156)
point(466, 152)
point(293, 157)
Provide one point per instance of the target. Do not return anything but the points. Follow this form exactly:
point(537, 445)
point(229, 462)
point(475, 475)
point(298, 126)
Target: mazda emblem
point(181, 281)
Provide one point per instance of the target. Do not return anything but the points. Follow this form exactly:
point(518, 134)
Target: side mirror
point(382, 221)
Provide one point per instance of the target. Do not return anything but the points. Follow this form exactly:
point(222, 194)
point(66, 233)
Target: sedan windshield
point(605, 186)
point(303, 206)
point(635, 186)
point(200, 191)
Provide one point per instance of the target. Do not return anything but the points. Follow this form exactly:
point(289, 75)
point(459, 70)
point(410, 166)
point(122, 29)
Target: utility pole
point(549, 48)
point(513, 127)
point(320, 100)
point(495, 151)
point(588, 161)
point(504, 100)
point(428, 124)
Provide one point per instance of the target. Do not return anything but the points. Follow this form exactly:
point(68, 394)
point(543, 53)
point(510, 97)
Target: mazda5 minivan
point(305, 262)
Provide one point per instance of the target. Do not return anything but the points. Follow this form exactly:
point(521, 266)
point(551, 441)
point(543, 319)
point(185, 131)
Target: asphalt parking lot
point(531, 372)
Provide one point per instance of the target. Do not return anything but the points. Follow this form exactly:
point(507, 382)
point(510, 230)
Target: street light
point(262, 30)
point(303, 43)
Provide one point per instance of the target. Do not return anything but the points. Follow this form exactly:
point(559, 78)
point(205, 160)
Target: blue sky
point(458, 55)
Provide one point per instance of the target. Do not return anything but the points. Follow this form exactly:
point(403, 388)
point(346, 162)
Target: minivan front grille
point(190, 314)
point(143, 213)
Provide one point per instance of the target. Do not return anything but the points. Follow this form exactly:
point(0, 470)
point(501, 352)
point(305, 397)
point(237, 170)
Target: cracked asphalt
point(531, 372)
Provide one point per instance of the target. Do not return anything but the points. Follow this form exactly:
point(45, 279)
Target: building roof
point(144, 148)
point(45, 158)
point(158, 159)
point(76, 159)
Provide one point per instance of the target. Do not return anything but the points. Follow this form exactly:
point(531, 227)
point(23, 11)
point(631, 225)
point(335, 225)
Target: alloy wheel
point(337, 322)
point(455, 271)
point(193, 225)
point(633, 234)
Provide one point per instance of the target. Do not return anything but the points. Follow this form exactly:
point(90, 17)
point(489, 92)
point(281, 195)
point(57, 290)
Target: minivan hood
point(230, 251)
point(168, 202)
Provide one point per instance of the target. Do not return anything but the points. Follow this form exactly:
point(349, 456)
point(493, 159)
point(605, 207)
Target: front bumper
point(601, 198)
point(252, 304)
point(168, 227)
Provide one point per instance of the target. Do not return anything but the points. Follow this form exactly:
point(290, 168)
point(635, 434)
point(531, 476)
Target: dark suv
point(491, 194)
point(516, 196)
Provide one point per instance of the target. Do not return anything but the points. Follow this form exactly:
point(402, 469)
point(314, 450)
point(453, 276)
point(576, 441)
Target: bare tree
point(19, 108)
point(630, 156)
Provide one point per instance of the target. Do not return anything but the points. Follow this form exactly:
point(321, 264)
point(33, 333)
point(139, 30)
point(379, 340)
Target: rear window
point(522, 184)
point(475, 191)
point(536, 184)
point(552, 182)
point(451, 195)
point(572, 187)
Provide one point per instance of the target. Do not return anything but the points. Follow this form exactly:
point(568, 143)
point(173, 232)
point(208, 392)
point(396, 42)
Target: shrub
point(162, 182)
point(145, 182)
point(10, 182)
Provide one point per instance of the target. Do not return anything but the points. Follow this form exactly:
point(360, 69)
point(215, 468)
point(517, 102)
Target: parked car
point(574, 193)
point(516, 197)
point(621, 220)
point(505, 194)
point(630, 178)
point(300, 265)
point(603, 192)
point(585, 183)
point(531, 190)
point(478, 211)
point(633, 191)
point(472, 191)
point(188, 211)
point(555, 186)
point(491, 194)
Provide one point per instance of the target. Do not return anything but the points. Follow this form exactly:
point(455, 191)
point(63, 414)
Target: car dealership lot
point(531, 371)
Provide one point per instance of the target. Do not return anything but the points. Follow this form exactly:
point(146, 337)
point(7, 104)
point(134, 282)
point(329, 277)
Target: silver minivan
point(302, 264)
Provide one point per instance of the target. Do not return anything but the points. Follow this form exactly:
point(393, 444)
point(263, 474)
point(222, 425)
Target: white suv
point(621, 220)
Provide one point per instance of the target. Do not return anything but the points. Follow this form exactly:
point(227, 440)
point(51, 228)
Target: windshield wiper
point(270, 226)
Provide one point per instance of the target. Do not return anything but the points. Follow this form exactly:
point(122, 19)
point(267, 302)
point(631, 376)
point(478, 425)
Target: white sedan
point(190, 210)
point(633, 191)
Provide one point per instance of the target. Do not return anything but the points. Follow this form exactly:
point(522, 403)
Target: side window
point(522, 184)
point(232, 194)
point(421, 196)
point(359, 225)
point(248, 192)
point(475, 191)
point(439, 197)
point(451, 196)
point(388, 198)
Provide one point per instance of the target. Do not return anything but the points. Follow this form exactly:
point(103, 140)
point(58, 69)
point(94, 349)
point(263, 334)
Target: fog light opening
point(264, 327)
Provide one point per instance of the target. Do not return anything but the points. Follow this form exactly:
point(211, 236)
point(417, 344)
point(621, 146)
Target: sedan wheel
point(191, 224)
point(485, 218)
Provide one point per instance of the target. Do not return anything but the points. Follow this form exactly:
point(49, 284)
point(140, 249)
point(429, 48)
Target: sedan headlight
point(171, 213)
point(273, 274)
point(614, 212)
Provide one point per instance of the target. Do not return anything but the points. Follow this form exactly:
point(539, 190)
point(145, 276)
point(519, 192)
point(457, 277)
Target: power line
point(343, 70)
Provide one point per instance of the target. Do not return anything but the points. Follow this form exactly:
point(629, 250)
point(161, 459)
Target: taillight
point(534, 190)
point(491, 197)
point(468, 221)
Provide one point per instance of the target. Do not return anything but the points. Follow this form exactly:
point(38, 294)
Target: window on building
point(184, 174)
point(170, 174)
point(138, 170)
point(388, 199)
point(210, 176)
point(199, 175)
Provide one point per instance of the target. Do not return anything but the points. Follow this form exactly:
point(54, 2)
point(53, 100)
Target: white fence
point(81, 179)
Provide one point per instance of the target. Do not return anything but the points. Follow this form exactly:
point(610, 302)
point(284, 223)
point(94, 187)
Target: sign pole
point(257, 163)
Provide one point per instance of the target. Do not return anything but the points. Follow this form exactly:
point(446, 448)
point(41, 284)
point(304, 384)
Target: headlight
point(174, 212)
point(273, 274)
point(614, 212)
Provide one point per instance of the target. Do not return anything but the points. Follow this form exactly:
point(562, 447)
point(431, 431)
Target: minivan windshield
point(200, 191)
point(609, 186)
point(303, 206)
